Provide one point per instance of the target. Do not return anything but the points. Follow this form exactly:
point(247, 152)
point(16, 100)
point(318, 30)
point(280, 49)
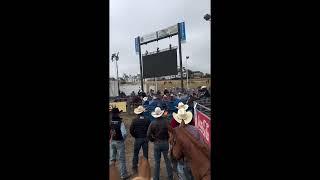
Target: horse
point(113, 172)
point(183, 144)
point(134, 101)
point(144, 170)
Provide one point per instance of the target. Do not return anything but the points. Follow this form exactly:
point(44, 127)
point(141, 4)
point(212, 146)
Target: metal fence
point(204, 105)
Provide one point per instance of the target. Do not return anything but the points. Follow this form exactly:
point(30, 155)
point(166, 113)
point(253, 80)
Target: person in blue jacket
point(145, 102)
point(152, 105)
point(171, 106)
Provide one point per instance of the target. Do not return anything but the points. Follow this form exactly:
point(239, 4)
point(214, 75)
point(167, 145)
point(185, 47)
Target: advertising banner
point(148, 37)
point(203, 123)
point(136, 42)
point(168, 31)
point(120, 105)
point(182, 32)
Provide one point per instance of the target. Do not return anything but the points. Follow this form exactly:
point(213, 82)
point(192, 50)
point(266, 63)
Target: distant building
point(197, 74)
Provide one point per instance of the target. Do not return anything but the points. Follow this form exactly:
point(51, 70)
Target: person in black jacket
point(117, 137)
point(204, 92)
point(166, 92)
point(138, 130)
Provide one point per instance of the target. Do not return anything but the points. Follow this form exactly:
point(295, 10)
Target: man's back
point(139, 127)
point(115, 127)
point(158, 130)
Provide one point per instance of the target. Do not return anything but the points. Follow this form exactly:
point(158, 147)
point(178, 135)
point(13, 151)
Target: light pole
point(207, 17)
point(116, 57)
point(187, 57)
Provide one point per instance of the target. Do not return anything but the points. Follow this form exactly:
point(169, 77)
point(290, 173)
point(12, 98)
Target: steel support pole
point(180, 55)
point(141, 75)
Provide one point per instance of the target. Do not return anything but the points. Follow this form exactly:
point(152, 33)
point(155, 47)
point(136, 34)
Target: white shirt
point(123, 130)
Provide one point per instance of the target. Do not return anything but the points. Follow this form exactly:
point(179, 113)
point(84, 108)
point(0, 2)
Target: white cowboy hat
point(145, 98)
point(157, 112)
point(181, 105)
point(164, 96)
point(139, 110)
point(182, 115)
point(202, 87)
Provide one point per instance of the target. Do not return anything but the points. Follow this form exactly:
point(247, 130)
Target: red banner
point(203, 123)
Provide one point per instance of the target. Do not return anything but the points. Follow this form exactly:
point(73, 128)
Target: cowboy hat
point(115, 111)
point(157, 112)
point(171, 95)
point(182, 115)
point(181, 105)
point(139, 110)
point(164, 95)
point(145, 98)
point(203, 87)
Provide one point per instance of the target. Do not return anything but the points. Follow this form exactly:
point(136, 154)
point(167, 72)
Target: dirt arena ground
point(127, 118)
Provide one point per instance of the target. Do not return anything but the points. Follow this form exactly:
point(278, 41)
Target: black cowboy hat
point(115, 111)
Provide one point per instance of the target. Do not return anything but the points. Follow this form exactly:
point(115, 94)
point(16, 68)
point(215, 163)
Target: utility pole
point(116, 57)
point(187, 57)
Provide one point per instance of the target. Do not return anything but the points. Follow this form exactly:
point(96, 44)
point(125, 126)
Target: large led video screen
point(160, 64)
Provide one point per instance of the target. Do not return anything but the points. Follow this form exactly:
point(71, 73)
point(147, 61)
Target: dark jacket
point(205, 94)
point(115, 126)
point(158, 130)
point(190, 101)
point(139, 127)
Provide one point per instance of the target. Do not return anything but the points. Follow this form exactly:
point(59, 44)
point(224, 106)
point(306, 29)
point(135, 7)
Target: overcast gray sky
point(132, 18)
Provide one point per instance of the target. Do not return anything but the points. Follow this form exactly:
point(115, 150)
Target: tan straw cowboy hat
point(182, 115)
point(181, 105)
point(139, 110)
point(157, 112)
